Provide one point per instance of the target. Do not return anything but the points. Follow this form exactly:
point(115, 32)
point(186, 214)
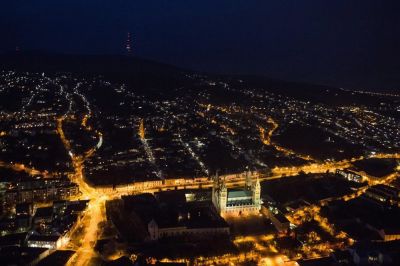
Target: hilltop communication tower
point(128, 44)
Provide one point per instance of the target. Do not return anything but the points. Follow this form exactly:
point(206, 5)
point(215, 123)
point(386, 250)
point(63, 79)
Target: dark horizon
point(340, 43)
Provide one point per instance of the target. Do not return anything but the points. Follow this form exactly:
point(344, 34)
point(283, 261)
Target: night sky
point(339, 42)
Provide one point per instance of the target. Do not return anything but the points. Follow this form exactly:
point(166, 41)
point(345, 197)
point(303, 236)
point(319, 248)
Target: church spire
point(248, 179)
point(256, 191)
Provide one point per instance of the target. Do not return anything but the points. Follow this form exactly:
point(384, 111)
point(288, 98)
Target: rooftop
point(174, 213)
point(239, 194)
point(43, 238)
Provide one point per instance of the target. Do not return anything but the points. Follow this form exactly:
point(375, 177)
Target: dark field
point(311, 188)
point(317, 143)
point(376, 167)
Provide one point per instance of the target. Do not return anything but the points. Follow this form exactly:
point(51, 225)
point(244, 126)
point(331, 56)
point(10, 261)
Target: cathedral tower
point(256, 193)
point(248, 179)
point(223, 197)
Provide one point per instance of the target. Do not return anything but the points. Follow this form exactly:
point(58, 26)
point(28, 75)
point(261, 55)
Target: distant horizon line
point(125, 55)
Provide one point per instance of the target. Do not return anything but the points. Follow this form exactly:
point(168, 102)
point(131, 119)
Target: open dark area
point(311, 188)
point(376, 167)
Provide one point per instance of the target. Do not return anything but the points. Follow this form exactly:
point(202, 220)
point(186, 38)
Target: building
point(350, 175)
point(390, 234)
point(279, 220)
point(178, 218)
point(197, 220)
point(43, 215)
point(39, 191)
point(236, 201)
point(168, 215)
point(342, 257)
point(384, 194)
point(16, 255)
point(367, 257)
point(44, 241)
point(24, 209)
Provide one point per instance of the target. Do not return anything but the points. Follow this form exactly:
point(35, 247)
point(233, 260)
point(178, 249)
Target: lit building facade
point(237, 201)
point(349, 175)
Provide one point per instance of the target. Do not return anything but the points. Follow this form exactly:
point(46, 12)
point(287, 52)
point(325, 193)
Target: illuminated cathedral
point(236, 201)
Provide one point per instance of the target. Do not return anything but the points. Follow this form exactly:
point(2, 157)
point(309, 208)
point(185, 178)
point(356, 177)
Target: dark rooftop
point(170, 210)
point(59, 257)
point(19, 255)
point(44, 212)
point(43, 238)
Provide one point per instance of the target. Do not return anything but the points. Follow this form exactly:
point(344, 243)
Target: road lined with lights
point(29, 170)
point(95, 213)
